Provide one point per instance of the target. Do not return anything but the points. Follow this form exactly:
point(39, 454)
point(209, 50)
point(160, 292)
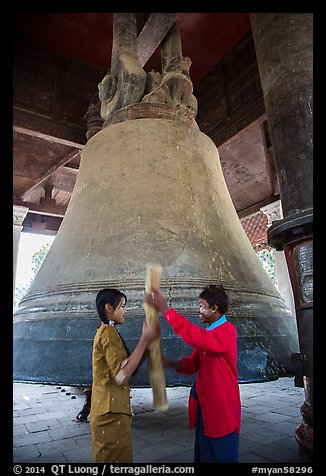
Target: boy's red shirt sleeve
point(195, 335)
point(190, 364)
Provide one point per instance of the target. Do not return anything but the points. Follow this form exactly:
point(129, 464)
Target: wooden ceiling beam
point(52, 169)
point(257, 206)
point(40, 135)
point(42, 209)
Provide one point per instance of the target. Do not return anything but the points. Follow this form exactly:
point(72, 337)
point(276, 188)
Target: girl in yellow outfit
point(110, 416)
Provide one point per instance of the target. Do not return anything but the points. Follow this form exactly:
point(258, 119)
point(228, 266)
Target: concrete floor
point(44, 430)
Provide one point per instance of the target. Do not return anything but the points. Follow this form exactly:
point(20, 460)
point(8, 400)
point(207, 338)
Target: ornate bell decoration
point(150, 189)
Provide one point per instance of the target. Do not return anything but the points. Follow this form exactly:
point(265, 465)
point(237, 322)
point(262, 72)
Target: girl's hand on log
point(150, 332)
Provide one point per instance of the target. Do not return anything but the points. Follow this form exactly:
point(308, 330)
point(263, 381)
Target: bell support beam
point(153, 32)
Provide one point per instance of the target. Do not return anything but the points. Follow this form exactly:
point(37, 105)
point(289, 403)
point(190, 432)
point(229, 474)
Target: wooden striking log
point(156, 372)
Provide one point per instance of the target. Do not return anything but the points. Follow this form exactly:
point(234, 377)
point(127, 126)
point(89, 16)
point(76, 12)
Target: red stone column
point(283, 43)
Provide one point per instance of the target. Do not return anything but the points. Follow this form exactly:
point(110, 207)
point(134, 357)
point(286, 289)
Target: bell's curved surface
point(149, 190)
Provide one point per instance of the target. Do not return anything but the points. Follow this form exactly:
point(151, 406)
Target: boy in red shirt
point(214, 400)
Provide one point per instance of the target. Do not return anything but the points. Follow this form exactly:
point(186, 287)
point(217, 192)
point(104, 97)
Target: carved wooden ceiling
point(59, 59)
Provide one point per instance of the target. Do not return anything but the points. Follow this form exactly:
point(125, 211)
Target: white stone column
point(274, 212)
point(19, 214)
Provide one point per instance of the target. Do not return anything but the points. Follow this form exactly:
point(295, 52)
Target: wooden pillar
point(284, 49)
point(19, 214)
point(273, 211)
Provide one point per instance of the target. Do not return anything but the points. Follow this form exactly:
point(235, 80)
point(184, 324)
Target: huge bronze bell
point(150, 189)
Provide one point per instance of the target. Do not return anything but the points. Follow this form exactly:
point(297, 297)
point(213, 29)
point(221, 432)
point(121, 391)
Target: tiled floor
point(44, 430)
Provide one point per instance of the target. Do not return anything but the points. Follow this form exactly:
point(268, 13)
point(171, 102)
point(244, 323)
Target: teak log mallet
point(156, 372)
